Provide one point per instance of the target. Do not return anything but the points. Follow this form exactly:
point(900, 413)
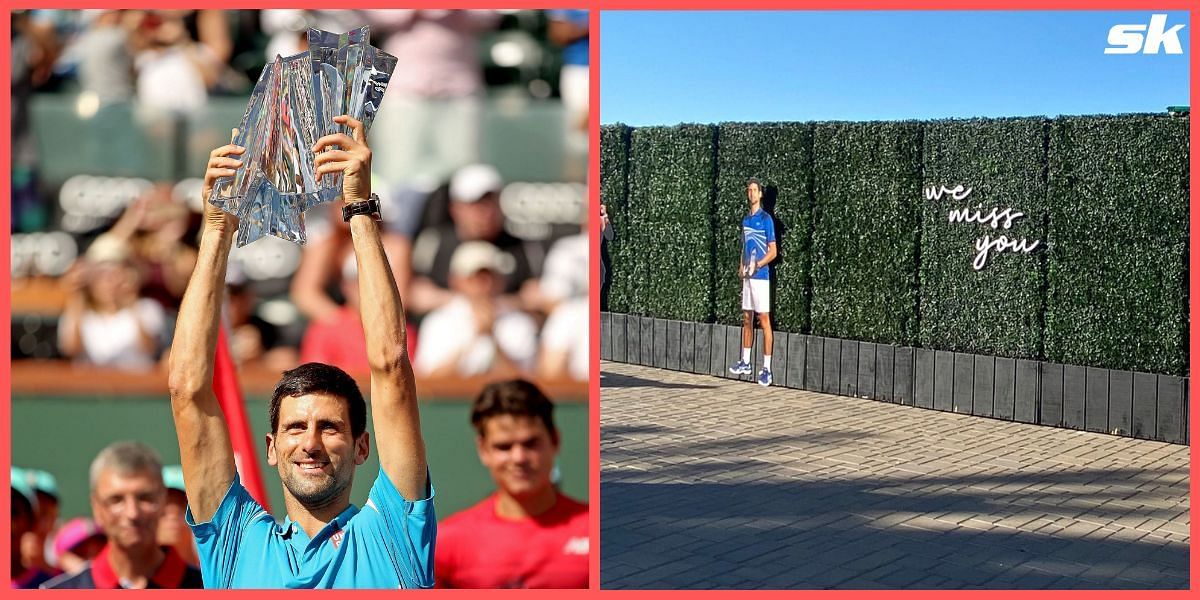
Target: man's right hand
point(222, 162)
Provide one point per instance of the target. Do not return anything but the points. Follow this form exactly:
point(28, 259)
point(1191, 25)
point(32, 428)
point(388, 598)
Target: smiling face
point(128, 506)
point(314, 449)
point(519, 452)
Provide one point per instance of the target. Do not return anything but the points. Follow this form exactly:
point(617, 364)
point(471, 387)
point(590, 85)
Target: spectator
point(127, 502)
point(173, 530)
point(565, 275)
point(174, 69)
point(606, 235)
point(569, 29)
point(327, 261)
point(33, 546)
point(564, 352)
point(562, 293)
point(105, 57)
point(105, 323)
point(430, 118)
point(21, 521)
point(288, 27)
point(24, 518)
point(77, 542)
point(476, 216)
point(475, 333)
point(155, 227)
point(338, 339)
point(254, 339)
point(527, 534)
point(31, 56)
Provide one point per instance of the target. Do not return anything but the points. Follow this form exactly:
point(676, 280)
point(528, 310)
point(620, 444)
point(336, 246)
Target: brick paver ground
point(715, 483)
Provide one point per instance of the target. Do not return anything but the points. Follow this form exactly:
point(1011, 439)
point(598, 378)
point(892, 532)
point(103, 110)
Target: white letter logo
point(577, 546)
point(1127, 38)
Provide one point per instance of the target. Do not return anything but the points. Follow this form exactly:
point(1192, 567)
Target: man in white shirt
point(474, 333)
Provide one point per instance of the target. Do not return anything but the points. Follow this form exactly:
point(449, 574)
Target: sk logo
point(1128, 38)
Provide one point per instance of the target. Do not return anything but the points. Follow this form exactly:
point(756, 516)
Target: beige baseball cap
point(472, 257)
point(108, 248)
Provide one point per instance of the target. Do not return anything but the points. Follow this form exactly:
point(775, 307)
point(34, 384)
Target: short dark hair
point(21, 506)
point(320, 378)
point(754, 181)
point(516, 397)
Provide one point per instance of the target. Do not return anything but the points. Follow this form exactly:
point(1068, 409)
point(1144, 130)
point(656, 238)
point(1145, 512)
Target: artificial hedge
point(614, 192)
point(996, 310)
point(866, 187)
point(867, 257)
point(778, 155)
point(670, 229)
point(1118, 259)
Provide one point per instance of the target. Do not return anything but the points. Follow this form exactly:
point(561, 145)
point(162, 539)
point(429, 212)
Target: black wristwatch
point(368, 207)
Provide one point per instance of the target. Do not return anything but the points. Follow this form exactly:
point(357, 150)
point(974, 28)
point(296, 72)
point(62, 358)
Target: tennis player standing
point(758, 250)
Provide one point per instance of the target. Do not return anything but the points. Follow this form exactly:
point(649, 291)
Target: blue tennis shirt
point(758, 230)
point(387, 544)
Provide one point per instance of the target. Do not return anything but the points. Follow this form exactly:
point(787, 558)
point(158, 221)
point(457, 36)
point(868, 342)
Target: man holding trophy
point(318, 421)
point(297, 155)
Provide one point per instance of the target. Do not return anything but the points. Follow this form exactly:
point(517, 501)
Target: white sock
point(745, 355)
point(767, 362)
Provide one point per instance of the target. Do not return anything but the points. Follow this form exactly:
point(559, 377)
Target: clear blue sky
point(664, 68)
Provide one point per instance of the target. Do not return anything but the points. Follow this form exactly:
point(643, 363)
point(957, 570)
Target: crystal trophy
point(291, 107)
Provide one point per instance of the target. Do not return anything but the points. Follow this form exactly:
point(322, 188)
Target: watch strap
point(369, 207)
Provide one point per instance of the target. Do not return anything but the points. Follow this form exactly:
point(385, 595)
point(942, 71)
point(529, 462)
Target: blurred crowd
point(136, 503)
point(175, 59)
point(482, 299)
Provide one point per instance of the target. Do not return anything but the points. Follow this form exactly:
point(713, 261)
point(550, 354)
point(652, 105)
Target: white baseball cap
point(472, 182)
point(472, 257)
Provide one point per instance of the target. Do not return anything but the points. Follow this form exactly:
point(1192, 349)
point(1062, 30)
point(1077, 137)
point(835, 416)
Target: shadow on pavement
point(737, 525)
point(616, 380)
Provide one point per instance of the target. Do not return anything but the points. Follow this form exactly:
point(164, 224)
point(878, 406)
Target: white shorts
point(756, 295)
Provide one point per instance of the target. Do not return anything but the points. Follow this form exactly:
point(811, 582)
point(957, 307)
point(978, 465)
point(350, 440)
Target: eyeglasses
point(143, 502)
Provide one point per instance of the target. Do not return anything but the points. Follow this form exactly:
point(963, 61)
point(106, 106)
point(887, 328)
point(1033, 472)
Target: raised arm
point(393, 392)
point(204, 447)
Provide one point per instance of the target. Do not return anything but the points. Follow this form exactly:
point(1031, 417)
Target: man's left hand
point(352, 158)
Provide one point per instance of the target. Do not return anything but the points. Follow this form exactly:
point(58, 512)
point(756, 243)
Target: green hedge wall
point(996, 310)
point(1118, 261)
point(670, 228)
point(614, 191)
point(866, 189)
point(867, 257)
point(779, 155)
